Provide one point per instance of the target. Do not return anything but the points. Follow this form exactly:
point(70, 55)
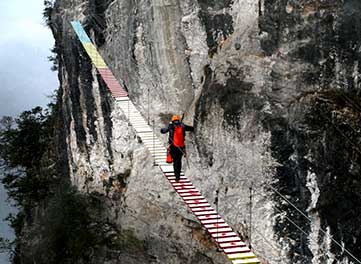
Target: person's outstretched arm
point(164, 130)
point(188, 128)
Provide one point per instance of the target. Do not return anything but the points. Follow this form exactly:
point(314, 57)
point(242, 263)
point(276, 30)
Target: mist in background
point(26, 80)
point(25, 76)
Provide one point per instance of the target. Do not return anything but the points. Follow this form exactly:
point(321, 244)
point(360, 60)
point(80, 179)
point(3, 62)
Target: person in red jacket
point(177, 131)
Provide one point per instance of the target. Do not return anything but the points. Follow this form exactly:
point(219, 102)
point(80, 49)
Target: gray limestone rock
point(273, 90)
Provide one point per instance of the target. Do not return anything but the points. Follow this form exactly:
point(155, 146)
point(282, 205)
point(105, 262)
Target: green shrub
point(23, 148)
point(67, 230)
point(48, 9)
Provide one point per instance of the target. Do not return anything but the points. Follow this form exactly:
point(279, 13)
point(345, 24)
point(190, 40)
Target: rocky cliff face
point(272, 88)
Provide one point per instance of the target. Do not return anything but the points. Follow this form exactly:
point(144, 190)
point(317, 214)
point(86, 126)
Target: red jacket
point(172, 132)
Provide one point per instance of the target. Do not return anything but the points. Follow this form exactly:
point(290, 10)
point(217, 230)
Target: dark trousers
point(177, 154)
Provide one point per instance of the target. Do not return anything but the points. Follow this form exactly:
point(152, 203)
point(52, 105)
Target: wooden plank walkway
point(111, 82)
point(223, 235)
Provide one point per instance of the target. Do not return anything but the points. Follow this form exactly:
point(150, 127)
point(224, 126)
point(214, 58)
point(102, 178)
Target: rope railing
point(301, 229)
point(99, 61)
point(310, 220)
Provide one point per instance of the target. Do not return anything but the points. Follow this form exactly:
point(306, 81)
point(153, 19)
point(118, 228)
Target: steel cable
point(303, 214)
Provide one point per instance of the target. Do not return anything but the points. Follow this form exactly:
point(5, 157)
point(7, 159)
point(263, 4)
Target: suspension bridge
point(222, 234)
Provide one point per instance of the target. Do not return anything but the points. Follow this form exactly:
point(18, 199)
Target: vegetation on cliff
point(55, 222)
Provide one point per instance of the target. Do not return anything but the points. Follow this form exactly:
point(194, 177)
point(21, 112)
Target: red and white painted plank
point(221, 232)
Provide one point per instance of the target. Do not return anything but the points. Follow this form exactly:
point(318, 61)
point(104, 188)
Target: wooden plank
point(79, 30)
point(142, 127)
point(186, 191)
point(158, 153)
point(205, 213)
point(236, 250)
point(168, 168)
point(246, 261)
point(156, 145)
point(159, 157)
point(220, 230)
point(149, 138)
point(171, 174)
point(152, 142)
point(200, 209)
point(180, 184)
point(189, 194)
point(199, 205)
point(208, 217)
point(184, 187)
point(219, 225)
point(152, 152)
point(224, 234)
point(192, 193)
point(161, 160)
point(141, 122)
point(232, 244)
point(119, 99)
point(154, 149)
point(147, 132)
point(188, 198)
point(212, 221)
point(140, 130)
point(228, 239)
point(133, 113)
point(241, 255)
point(181, 181)
point(182, 177)
point(119, 95)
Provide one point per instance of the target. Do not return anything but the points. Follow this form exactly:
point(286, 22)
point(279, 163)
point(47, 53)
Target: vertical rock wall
point(272, 88)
